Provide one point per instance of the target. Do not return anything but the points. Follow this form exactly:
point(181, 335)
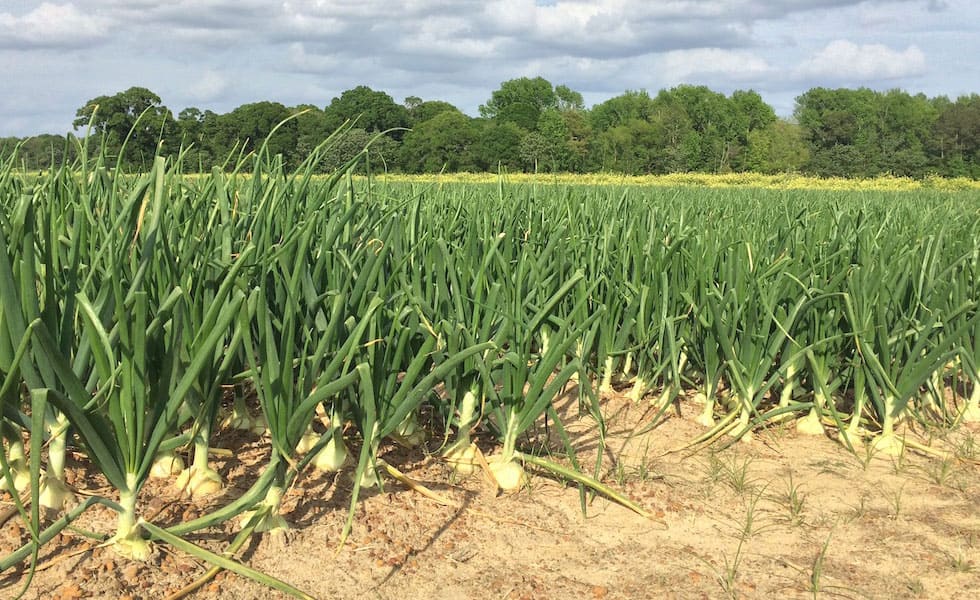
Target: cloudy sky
point(218, 54)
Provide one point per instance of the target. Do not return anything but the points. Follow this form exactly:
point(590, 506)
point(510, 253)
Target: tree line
point(528, 124)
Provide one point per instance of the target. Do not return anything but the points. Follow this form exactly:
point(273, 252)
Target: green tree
point(578, 139)
point(427, 109)
point(382, 151)
point(442, 142)
point(838, 126)
point(536, 152)
point(904, 124)
point(497, 145)
point(751, 111)
point(672, 119)
point(752, 114)
point(568, 99)
point(39, 152)
point(710, 143)
point(520, 101)
point(371, 110)
point(628, 106)
point(251, 124)
point(553, 128)
point(311, 131)
point(189, 134)
point(778, 148)
point(956, 136)
point(636, 147)
point(136, 110)
point(218, 139)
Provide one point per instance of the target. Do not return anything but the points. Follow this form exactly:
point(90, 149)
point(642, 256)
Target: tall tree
point(311, 130)
point(752, 115)
point(579, 135)
point(636, 147)
point(136, 111)
point(956, 136)
point(521, 101)
point(497, 145)
point(442, 142)
point(555, 136)
point(904, 124)
point(422, 110)
point(568, 99)
point(382, 151)
point(252, 124)
point(189, 134)
point(709, 144)
point(39, 152)
point(838, 126)
point(372, 110)
point(778, 148)
point(622, 109)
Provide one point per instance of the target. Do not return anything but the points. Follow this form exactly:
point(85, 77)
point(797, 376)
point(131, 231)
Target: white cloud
point(735, 65)
point(843, 60)
point(303, 61)
point(208, 86)
point(52, 26)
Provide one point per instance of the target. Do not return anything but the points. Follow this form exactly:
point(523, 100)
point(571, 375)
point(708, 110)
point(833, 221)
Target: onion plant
point(901, 341)
point(528, 383)
point(752, 316)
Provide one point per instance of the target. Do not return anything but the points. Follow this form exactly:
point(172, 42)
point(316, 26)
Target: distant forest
point(529, 124)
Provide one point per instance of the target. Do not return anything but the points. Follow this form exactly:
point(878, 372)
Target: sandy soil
point(785, 516)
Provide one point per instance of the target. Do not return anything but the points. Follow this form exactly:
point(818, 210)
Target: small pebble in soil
point(70, 592)
point(185, 567)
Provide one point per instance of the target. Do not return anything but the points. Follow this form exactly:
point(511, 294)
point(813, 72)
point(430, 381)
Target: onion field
point(143, 314)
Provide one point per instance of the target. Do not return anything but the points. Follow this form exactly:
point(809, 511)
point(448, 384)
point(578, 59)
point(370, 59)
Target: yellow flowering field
point(787, 181)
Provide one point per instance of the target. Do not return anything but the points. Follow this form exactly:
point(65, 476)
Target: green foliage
point(568, 99)
point(250, 124)
point(751, 112)
point(137, 113)
point(688, 128)
point(866, 133)
point(423, 111)
point(956, 136)
point(521, 101)
point(444, 142)
point(348, 144)
point(777, 148)
point(497, 145)
point(619, 110)
point(536, 153)
point(39, 152)
point(311, 130)
point(634, 147)
point(372, 110)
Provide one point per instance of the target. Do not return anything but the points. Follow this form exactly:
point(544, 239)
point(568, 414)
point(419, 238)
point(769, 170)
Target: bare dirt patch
point(786, 516)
